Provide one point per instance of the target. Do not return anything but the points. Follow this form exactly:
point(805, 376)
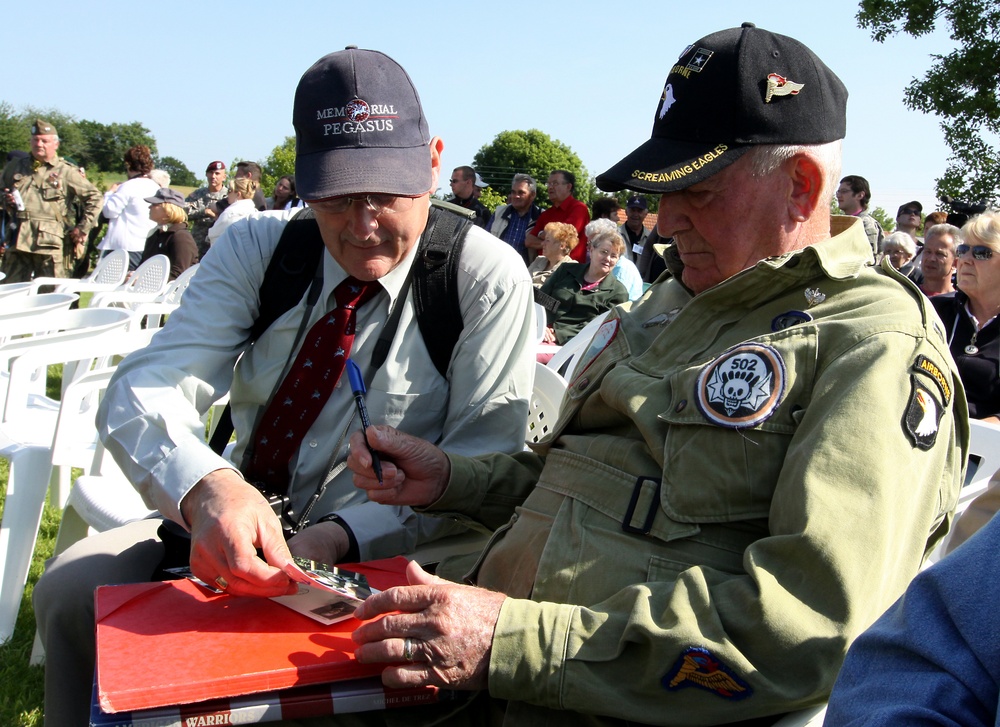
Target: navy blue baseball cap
point(359, 127)
point(728, 92)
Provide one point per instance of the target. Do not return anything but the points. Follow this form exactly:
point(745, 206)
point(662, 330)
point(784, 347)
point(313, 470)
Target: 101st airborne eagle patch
point(922, 418)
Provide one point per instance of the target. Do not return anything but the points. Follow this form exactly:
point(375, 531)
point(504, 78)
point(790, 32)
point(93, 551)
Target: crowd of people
point(752, 461)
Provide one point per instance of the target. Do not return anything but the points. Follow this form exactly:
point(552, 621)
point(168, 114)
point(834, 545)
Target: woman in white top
point(241, 205)
point(126, 207)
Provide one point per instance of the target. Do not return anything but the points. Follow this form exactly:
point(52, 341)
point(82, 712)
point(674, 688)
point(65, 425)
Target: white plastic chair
point(27, 334)
point(147, 282)
point(540, 322)
point(984, 462)
point(108, 274)
point(27, 436)
point(566, 358)
point(34, 305)
point(166, 303)
point(543, 407)
point(14, 289)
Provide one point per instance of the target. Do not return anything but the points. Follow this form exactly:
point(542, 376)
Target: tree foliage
point(960, 87)
point(280, 161)
point(530, 152)
point(91, 144)
point(105, 144)
point(180, 175)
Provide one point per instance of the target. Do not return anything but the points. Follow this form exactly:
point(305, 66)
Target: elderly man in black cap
point(749, 465)
point(633, 231)
point(55, 207)
point(366, 164)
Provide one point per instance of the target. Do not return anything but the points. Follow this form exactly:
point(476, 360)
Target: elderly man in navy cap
point(749, 465)
point(633, 231)
point(366, 165)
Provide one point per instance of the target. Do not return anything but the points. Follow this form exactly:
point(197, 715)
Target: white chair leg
point(22, 516)
point(59, 486)
point(37, 652)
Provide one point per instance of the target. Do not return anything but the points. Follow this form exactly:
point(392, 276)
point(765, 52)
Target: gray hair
point(765, 158)
point(160, 176)
point(942, 230)
point(527, 179)
point(604, 230)
point(900, 239)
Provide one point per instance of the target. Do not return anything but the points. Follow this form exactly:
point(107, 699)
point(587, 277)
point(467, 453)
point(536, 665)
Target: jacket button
point(582, 384)
point(681, 405)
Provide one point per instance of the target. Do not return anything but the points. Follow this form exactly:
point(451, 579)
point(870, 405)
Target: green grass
point(21, 686)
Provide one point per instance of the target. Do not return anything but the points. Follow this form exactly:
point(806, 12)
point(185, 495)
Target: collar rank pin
point(814, 297)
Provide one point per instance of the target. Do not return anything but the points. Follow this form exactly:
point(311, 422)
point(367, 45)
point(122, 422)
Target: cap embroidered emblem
point(699, 60)
point(743, 387)
point(780, 86)
point(667, 98)
point(357, 110)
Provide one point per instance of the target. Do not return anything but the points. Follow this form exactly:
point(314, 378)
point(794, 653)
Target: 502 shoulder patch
point(697, 667)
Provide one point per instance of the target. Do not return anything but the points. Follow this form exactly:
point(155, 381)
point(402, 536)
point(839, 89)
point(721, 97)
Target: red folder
point(175, 642)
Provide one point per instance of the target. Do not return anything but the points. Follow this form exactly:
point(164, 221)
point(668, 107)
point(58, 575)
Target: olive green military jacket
point(56, 198)
point(739, 483)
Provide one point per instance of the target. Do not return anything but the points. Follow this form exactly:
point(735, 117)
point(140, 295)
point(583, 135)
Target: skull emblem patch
point(742, 387)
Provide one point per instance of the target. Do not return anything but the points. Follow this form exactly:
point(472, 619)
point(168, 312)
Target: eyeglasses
point(377, 203)
point(909, 212)
point(979, 252)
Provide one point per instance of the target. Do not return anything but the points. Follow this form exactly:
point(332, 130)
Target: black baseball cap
point(359, 127)
point(637, 201)
point(910, 205)
point(726, 93)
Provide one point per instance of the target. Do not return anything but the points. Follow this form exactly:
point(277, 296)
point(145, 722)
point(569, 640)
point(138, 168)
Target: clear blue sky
point(215, 80)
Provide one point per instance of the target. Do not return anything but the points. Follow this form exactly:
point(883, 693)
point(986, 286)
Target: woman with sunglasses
point(970, 315)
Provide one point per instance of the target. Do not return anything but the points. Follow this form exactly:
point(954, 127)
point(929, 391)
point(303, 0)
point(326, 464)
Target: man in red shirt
point(565, 208)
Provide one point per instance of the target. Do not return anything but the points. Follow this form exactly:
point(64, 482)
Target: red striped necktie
point(305, 390)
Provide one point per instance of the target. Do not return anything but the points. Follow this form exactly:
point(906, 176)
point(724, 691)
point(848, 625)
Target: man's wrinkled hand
point(229, 520)
point(441, 631)
point(414, 471)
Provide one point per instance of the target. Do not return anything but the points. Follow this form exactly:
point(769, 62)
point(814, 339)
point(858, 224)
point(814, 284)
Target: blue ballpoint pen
point(358, 388)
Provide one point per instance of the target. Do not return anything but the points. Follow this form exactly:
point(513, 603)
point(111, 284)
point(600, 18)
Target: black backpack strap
point(294, 265)
point(294, 268)
point(435, 284)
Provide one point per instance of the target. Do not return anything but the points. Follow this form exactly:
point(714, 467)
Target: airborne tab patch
point(924, 365)
point(696, 667)
point(742, 387)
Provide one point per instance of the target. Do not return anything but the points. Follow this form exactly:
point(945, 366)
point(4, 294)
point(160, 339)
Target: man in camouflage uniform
point(52, 192)
point(200, 207)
